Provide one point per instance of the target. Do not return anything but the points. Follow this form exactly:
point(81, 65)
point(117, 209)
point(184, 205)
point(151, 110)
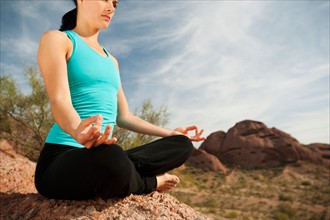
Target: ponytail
point(69, 20)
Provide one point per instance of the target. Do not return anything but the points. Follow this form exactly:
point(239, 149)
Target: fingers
point(190, 128)
point(90, 133)
point(86, 131)
point(199, 134)
point(99, 121)
point(103, 139)
point(91, 142)
point(90, 120)
point(197, 137)
point(111, 141)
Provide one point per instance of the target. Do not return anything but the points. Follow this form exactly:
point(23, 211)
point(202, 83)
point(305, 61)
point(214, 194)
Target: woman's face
point(97, 13)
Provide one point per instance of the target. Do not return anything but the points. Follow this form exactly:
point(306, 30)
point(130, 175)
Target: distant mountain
point(251, 144)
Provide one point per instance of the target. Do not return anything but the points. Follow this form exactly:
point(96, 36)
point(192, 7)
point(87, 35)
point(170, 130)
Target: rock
point(16, 171)
point(321, 149)
point(213, 142)
point(20, 200)
point(152, 206)
point(204, 160)
point(251, 144)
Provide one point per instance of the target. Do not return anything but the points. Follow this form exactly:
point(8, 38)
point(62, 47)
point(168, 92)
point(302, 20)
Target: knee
point(183, 144)
point(115, 162)
point(110, 157)
point(114, 170)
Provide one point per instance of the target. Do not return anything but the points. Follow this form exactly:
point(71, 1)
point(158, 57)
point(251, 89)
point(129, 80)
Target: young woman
point(80, 159)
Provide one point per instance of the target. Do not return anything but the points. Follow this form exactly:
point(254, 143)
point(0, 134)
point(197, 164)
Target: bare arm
point(133, 123)
point(53, 52)
point(52, 55)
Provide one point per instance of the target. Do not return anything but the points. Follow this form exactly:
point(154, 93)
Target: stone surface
point(251, 144)
point(204, 160)
point(19, 199)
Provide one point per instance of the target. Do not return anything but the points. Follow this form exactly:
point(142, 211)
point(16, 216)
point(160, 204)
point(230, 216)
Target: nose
point(111, 8)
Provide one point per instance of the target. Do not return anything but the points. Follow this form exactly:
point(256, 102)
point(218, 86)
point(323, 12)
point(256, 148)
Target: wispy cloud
point(212, 63)
point(22, 24)
point(220, 66)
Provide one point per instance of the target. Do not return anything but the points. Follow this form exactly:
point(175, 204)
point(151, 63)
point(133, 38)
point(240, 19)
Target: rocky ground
point(19, 199)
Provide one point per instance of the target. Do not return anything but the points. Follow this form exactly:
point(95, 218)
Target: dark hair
point(69, 20)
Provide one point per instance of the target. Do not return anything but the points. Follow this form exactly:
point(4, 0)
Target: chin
point(103, 27)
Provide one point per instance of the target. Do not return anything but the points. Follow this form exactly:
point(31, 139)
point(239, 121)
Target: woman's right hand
point(88, 133)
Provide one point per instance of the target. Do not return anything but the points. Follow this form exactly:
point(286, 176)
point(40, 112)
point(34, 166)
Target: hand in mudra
point(185, 131)
point(89, 134)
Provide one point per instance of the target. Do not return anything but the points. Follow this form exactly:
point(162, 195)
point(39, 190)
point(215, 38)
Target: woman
point(80, 159)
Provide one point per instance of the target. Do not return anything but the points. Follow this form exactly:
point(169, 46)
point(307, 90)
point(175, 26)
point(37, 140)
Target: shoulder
point(54, 34)
point(55, 38)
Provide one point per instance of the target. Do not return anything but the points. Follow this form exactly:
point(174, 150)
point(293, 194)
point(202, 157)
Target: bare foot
point(166, 182)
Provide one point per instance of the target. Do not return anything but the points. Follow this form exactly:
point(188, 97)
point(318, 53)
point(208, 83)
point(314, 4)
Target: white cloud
point(37, 9)
point(26, 46)
point(212, 63)
point(222, 71)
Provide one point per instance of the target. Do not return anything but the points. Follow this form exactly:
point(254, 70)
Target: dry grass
point(299, 191)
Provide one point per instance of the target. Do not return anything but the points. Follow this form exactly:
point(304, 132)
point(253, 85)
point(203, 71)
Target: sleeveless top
point(94, 83)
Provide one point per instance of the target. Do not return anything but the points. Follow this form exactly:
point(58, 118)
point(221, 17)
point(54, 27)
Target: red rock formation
point(251, 144)
point(322, 149)
point(213, 142)
point(204, 160)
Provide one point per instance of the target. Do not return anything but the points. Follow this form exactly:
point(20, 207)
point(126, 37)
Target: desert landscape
point(249, 172)
point(256, 172)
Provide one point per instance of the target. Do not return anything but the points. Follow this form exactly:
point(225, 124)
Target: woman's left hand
point(185, 131)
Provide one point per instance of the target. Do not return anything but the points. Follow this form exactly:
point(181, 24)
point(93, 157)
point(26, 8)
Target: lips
point(106, 17)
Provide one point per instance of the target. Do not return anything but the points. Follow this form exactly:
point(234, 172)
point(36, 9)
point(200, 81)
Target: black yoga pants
point(106, 171)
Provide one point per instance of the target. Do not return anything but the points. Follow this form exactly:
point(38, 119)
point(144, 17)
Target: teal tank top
point(94, 83)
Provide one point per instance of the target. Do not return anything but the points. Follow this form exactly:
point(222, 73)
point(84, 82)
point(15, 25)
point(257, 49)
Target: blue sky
point(212, 63)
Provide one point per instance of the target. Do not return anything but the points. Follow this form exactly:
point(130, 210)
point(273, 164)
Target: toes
point(175, 179)
point(167, 182)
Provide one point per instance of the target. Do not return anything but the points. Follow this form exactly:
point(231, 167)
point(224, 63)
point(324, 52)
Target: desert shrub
point(284, 212)
point(128, 139)
point(231, 214)
point(306, 183)
point(211, 202)
point(285, 197)
point(26, 117)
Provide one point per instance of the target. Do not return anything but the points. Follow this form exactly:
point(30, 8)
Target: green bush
point(25, 118)
point(128, 139)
